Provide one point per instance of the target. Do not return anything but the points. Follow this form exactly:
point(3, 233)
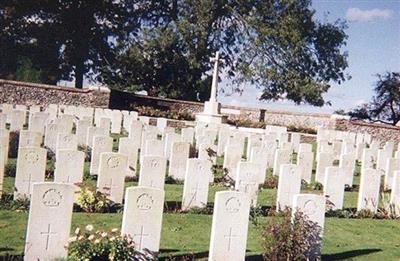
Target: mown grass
point(188, 234)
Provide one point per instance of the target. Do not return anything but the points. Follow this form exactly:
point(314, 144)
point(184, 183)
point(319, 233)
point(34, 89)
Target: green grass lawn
point(188, 234)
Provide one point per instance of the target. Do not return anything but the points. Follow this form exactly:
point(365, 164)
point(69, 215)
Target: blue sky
point(373, 46)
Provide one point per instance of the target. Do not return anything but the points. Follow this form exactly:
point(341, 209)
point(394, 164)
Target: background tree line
point(164, 46)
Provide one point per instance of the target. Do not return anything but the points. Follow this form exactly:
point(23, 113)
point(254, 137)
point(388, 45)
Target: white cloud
point(356, 14)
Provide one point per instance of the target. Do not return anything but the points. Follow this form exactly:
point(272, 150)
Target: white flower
point(112, 238)
point(77, 231)
point(114, 230)
point(104, 234)
point(97, 241)
point(89, 228)
point(91, 237)
point(72, 239)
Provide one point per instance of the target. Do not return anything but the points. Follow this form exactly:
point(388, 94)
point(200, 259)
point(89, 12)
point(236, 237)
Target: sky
point(373, 46)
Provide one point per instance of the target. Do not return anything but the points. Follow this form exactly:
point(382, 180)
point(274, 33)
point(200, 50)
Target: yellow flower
point(72, 239)
point(112, 238)
point(91, 237)
point(114, 230)
point(89, 228)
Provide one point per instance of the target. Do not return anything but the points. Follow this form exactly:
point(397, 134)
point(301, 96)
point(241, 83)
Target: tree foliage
point(385, 105)
point(69, 38)
point(278, 46)
point(164, 47)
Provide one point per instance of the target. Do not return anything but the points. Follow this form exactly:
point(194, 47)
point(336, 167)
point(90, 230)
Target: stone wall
point(14, 92)
point(380, 132)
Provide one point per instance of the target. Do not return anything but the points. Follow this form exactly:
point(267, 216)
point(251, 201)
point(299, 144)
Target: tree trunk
point(79, 74)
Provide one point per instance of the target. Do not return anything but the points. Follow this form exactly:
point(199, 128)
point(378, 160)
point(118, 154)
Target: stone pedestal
point(211, 113)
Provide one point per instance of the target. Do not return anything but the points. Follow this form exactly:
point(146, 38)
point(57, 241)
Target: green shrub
point(182, 114)
point(271, 182)
point(10, 169)
point(13, 145)
point(89, 245)
point(92, 201)
point(7, 202)
point(285, 238)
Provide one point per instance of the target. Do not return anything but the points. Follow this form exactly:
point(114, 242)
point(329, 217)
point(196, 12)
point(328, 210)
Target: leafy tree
point(277, 45)
point(69, 38)
point(385, 105)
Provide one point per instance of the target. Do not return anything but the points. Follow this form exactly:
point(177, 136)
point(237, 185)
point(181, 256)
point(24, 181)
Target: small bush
point(10, 169)
point(287, 239)
point(271, 182)
point(7, 202)
point(171, 180)
point(103, 245)
point(247, 123)
point(92, 201)
point(13, 145)
point(181, 114)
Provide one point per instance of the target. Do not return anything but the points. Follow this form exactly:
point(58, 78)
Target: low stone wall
point(381, 132)
point(14, 92)
point(299, 120)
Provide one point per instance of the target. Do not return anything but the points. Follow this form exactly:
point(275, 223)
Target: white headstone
point(282, 156)
point(187, 135)
point(248, 179)
point(116, 121)
point(313, 207)
point(392, 165)
point(112, 172)
point(100, 144)
point(347, 164)
point(395, 194)
point(31, 167)
point(69, 166)
point(305, 160)
point(195, 189)
point(30, 138)
point(130, 147)
point(94, 131)
point(49, 221)
point(82, 128)
point(229, 226)
point(17, 120)
point(177, 161)
point(67, 141)
point(233, 155)
point(170, 138)
point(289, 184)
point(334, 187)
point(142, 218)
point(368, 195)
point(152, 172)
point(325, 159)
point(37, 121)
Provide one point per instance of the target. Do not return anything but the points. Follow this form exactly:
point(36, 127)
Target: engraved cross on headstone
point(230, 236)
point(247, 185)
point(141, 235)
point(110, 185)
point(48, 233)
point(29, 180)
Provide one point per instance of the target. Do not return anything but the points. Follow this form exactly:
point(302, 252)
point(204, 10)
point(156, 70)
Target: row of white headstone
point(50, 215)
point(248, 179)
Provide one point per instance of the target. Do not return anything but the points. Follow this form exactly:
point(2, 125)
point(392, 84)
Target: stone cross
point(214, 85)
